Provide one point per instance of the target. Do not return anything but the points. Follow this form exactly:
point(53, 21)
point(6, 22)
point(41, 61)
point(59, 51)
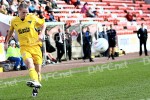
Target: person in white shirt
point(59, 40)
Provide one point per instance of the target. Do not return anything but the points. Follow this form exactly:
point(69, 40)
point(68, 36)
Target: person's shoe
point(23, 68)
point(54, 60)
point(91, 60)
point(16, 68)
point(113, 58)
point(123, 52)
point(108, 57)
point(59, 61)
point(34, 92)
point(34, 84)
point(48, 62)
point(146, 55)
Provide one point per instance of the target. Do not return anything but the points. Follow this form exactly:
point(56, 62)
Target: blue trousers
point(18, 61)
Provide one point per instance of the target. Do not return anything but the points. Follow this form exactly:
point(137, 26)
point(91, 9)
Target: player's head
point(23, 10)
point(59, 30)
point(12, 43)
point(142, 25)
point(111, 26)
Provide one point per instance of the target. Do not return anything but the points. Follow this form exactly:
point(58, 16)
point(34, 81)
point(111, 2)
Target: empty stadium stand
point(109, 12)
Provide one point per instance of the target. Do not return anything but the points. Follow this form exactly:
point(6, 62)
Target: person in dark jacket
point(111, 33)
point(87, 41)
point(59, 40)
point(103, 34)
point(142, 35)
point(68, 40)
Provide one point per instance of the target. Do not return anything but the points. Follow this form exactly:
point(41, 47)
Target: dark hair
point(40, 14)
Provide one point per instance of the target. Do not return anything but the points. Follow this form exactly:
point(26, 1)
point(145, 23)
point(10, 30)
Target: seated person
point(53, 4)
point(90, 13)
point(76, 3)
point(51, 16)
point(13, 55)
point(129, 17)
point(49, 49)
point(84, 9)
point(67, 1)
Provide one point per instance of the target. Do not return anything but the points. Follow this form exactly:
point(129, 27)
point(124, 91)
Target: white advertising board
point(130, 43)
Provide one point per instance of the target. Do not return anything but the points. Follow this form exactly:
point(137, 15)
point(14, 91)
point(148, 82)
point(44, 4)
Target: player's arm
point(9, 34)
point(39, 21)
point(146, 34)
point(42, 33)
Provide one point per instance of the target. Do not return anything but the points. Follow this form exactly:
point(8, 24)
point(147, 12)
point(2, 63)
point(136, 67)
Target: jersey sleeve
point(39, 22)
point(11, 26)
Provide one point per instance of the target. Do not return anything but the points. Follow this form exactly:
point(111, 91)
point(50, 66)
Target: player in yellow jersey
point(30, 42)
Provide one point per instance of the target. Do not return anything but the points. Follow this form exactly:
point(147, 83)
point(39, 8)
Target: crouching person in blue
point(13, 55)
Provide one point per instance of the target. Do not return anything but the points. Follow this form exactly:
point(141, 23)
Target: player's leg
point(145, 49)
point(35, 92)
point(38, 70)
point(62, 51)
point(113, 44)
point(36, 89)
point(140, 52)
point(110, 51)
point(84, 52)
point(58, 54)
point(27, 57)
point(69, 51)
point(37, 59)
point(33, 74)
point(113, 52)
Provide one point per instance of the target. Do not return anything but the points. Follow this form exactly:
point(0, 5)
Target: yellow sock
point(33, 74)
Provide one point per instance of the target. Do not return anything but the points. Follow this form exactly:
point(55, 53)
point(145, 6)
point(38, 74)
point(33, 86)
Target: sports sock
point(33, 74)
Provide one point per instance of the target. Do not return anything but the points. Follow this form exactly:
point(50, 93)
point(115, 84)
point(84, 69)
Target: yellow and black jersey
point(25, 29)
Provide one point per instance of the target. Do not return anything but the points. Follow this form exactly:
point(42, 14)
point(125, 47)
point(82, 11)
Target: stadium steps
point(106, 9)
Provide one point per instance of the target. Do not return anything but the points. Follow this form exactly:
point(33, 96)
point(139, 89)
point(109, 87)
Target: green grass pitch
point(125, 80)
